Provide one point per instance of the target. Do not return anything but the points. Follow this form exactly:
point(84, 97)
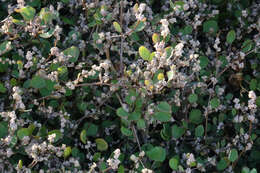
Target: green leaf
point(253, 170)
point(13, 142)
point(177, 132)
point(155, 38)
point(67, 152)
point(174, 162)
point(195, 116)
point(47, 34)
point(73, 53)
point(91, 129)
point(247, 45)
point(5, 47)
point(170, 75)
point(20, 164)
point(141, 124)
point(141, 25)
point(117, 27)
point(168, 51)
point(233, 155)
point(210, 26)
point(214, 103)
point(258, 101)
point(245, 170)
point(231, 36)
point(199, 131)
point(204, 61)
point(134, 116)
point(58, 135)
point(101, 144)
point(157, 154)
point(38, 82)
point(162, 116)
point(121, 112)
point(165, 107)
point(2, 88)
point(126, 131)
point(21, 133)
point(222, 164)
point(46, 15)
point(144, 53)
point(83, 136)
point(253, 84)
point(27, 12)
point(3, 129)
point(193, 98)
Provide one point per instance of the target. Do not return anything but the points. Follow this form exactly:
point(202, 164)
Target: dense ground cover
point(129, 86)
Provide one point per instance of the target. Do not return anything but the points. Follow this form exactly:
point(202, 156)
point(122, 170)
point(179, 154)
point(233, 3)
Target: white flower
point(51, 137)
point(252, 95)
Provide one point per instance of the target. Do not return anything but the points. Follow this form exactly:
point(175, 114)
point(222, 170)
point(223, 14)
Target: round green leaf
point(47, 34)
point(38, 82)
point(117, 27)
point(222, 164)
point(195, 116)
point(162, 116)
point(73, 53)
point(21, 133)
point(174, 162)
point(2, 88)
point(144, 53)
point(214, 103)
point(5, 47)
point(199, 131)
point(233, 155)
point(121, 112)
point(101, 144)
point(157, 154)
point(67, 152)
point(204, 61)
point(164, 106)
point(126, 131)
point(210, 26)
point(193, 98)
point(27, 12)
point(231, 36)
point(177, 132)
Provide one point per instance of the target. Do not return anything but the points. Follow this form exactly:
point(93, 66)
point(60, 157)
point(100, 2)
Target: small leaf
point(233, 155)
point(101, 144)
point(117, 27)
point(57, 133)
point(5, 47)
point(204, 61)
point(193, 98)
point(141, 124)
point(91, 129)
point(21, 133)
point(20, 164)
point(3, 129)
point(210, 26)
point(170, 75)
point(157, 154)
point(121, 112)
point(2, 88)
point(169, 52)
point(27, 12)
point(83, 136)
point(134, 116)
point(47, 34)
point(214, 103)
point(126, 131)
point(174, 162)
point(155, 38)
point(247, 45)
point(138, 26)
point(231, 36)
point(199, 131)
point(245, 170)
point(38, 82)
point(73, 53)
point(162, 116)
point(144, 53)
point(253, 170)
point(195, 116)
point(177, 132)
point(222, 164)
point(67, 152)
point(164, 106)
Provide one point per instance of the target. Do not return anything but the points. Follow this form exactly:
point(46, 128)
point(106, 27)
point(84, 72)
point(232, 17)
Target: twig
point(92, 84)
